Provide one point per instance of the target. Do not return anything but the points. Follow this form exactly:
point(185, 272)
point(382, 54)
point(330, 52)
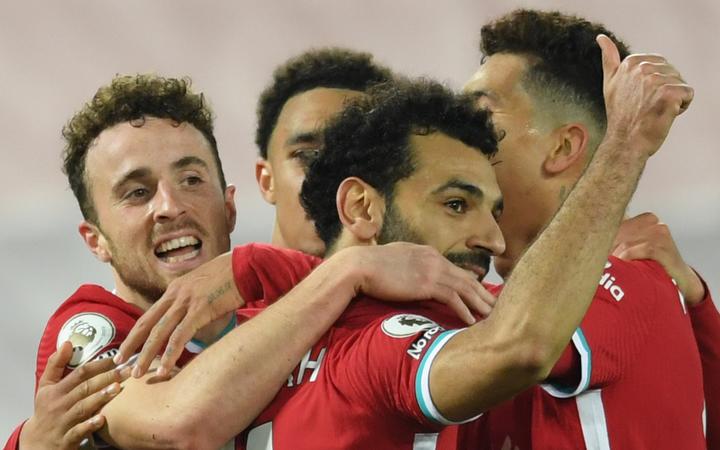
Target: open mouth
point(179, 249)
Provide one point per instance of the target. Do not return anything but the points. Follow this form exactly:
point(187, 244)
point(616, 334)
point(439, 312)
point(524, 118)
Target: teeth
point(181, 258)
point(172, 244)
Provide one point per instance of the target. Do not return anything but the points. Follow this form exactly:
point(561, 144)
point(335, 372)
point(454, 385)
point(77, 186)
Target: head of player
point(408, 162)
point(305, 92)
point(143, 163)
point(542, 79)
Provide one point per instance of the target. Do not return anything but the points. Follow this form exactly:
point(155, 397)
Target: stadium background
point(53, 55)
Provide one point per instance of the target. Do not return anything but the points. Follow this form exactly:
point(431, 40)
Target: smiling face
point(529, 201)
point(160, 206)
point(450, 202)
point(294, 144)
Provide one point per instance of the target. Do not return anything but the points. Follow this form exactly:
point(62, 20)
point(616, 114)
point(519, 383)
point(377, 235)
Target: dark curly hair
point(370, 139)
point(568, 68)
point(131, 98)
point(328, 68)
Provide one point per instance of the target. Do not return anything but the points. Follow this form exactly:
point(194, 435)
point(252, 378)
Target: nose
point(166, 205)
point(488, 236)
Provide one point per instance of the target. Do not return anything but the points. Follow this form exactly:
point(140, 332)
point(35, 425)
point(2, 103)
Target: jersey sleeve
point(392, 364)
point(623, 313)
point(705, 321)
point(94, 329)
point(13, 442)
point(265, 272)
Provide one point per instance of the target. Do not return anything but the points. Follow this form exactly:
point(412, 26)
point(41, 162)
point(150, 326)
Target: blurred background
point(54, 55)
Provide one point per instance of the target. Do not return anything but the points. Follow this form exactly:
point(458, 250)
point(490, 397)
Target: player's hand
point(645, 237)
point(406, 272)
point(205, 297)
point(66, 409)
point(643, 95)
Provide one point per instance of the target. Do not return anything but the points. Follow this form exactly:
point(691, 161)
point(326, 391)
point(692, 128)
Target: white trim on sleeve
point(583, 349)
point(422, 381)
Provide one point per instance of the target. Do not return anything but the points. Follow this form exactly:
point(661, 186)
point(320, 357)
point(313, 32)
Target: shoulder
point(91, 318)
point(259, 253)
point(645, 277)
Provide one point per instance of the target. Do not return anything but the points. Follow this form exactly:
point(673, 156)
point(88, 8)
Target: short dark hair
point(370, 139)
point(131, 98)
point(569, 59)
point(328, 68)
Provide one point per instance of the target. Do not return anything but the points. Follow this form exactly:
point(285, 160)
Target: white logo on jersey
point(607, 282)
point(404, 325)
point(89, 333)
point(417, 347)
point(306, 364)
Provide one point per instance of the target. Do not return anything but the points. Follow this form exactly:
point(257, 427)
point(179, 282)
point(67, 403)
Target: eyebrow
point(458, 184)
point(189, 161)
point(144, 172)
point(308, 137)
point(473, 190)
point(135, 174)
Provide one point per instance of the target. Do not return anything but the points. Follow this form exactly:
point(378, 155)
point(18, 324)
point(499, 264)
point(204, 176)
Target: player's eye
point(306, 156)
point(136, 194)
point(192, 180)
point(457, 205)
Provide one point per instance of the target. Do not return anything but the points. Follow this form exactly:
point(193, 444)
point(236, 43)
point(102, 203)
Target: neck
point(346, 240)
point(130, 295)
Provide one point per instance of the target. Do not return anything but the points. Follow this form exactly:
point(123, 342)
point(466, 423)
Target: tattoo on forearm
point(217, 293)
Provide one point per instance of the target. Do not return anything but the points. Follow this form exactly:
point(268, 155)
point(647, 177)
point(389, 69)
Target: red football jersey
point(638, 377)
point(365, 383)
point(95, 321)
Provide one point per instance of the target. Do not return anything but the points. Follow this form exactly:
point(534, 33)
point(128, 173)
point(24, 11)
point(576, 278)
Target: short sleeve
point(392, 362)
point(265, 272)
point(624, 312)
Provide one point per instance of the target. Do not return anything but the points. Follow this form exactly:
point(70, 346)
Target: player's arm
point(224, 388)
point(66, 409)
point(552, 285)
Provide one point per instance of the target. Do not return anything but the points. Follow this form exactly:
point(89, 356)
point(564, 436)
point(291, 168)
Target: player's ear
point(569, 147)
point(95, 240)
point(361, 208)
point(265, 180)
point(230, 210)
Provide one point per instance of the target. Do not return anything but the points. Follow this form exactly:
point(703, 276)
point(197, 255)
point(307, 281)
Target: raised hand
point(643, 95)
point(404, 272)
point(645, 237)
point(66, 409)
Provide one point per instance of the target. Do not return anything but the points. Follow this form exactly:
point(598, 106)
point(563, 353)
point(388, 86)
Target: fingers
point(88, 407)
point(610, 56)
point(643, 250)
point(142, 328)
point(75, 436)
point(56, 365)
point(158, 336)
point(451, 299)
point(94, 383)
point(181, 335)
point(86, 372)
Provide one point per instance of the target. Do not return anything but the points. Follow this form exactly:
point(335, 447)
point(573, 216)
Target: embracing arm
point(552, 285)
point(224, 388)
